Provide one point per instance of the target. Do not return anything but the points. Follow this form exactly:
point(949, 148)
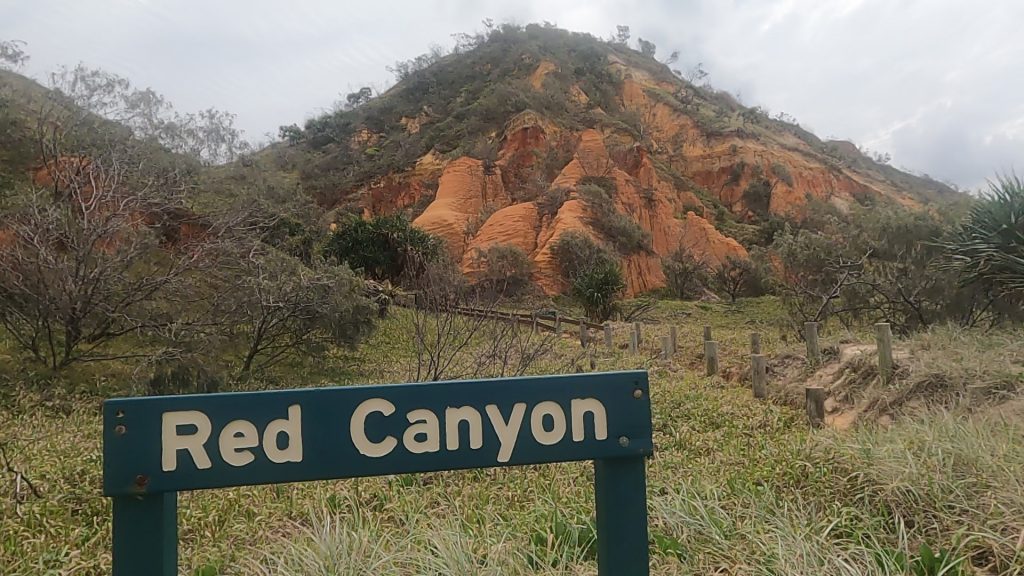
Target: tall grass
point(736, 487)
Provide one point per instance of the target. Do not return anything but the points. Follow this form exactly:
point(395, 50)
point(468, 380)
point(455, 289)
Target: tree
point(209, 136)
point(647, 48)
point(686, 276)
point(732, 276)
point(12, 54)
point(621, 35)
point(383, 247)
point(577, 252)
point(597, 290)
point(358, 98)
point(672, 59)
point(286, 309)
point(102, 251)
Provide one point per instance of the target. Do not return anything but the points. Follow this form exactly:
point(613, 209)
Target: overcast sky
point(939, 84)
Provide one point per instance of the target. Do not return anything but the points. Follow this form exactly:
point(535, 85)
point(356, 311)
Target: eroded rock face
point(465, 188)
point(478, 204)
point(467, 191)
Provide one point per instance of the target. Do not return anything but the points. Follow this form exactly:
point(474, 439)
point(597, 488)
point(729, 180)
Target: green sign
point(156, 446)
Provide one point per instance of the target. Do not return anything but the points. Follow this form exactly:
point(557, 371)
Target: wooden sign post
point(155, 447)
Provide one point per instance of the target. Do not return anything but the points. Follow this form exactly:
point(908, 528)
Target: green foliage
point(286, 309)
point(598, 289)
point(881, 264)
point(563, 540)
point(988, 248)
point(757, 197)
point(576, 252)
point(621, 230)
point(383, 247)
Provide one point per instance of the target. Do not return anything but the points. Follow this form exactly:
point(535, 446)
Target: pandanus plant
point(988, 247)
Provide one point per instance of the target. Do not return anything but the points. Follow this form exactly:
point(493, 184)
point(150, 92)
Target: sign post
point(154, 447)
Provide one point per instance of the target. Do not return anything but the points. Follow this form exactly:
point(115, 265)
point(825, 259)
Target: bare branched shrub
point(458, 333)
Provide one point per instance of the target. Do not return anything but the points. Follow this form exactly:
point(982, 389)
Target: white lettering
point(424, 422)
point(508, 432)
point(357, 428)
point(455, 416)
point(171, 441)
point(557, 432)
point(580, 407)
point(292, 429)
point(234, 439)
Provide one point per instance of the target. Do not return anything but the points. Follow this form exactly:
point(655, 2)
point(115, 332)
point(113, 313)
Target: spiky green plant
point(988, 248)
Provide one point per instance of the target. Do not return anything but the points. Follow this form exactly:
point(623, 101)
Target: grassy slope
point(736, 486)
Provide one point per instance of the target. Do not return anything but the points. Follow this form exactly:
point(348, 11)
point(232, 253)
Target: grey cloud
point(936, 83)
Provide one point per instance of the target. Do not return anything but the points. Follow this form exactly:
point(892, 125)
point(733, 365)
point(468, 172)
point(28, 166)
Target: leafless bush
point(460, 334)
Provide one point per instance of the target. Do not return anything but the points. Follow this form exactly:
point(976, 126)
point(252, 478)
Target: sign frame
point(602, 417)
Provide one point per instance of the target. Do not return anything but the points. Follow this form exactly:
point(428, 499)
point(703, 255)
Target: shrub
point(505, 269)
point(286, 309)
point(384, 247)
point(988, 248)
point(620, 229)
point(686, 277)
point(597, 289)
point(757, 197)
point(551, 202)
point(782, 173)
point(576, 252)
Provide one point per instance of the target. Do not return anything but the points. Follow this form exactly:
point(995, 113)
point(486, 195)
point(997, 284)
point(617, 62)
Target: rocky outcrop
point(672, 163)
point(465, 188)
point(466, 191)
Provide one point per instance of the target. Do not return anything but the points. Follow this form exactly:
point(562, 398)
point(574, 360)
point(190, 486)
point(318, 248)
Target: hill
point(503, 141)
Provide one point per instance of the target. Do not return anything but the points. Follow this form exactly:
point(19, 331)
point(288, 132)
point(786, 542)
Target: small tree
point(732, 276)
point(358, 98)
point(100, 253)
point(686, 277)
point(621, 35)
point(12, 54)
point(505, 270)
point(286, 309)
point(383, 247)
point(647, 48)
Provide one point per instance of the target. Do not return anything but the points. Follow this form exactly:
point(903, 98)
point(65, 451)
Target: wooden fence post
point(666, 347)
point(608, 335)
point(755, 343)
point(584, 335)
point(673, 334)
point(759, 375)
point(815, 396)
point(534, 324)
point(711, 357)
point(558, 324)
point(811, 338)
point(883, 339)
point(707, 333)
point(639, 336)
point(633, 342)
